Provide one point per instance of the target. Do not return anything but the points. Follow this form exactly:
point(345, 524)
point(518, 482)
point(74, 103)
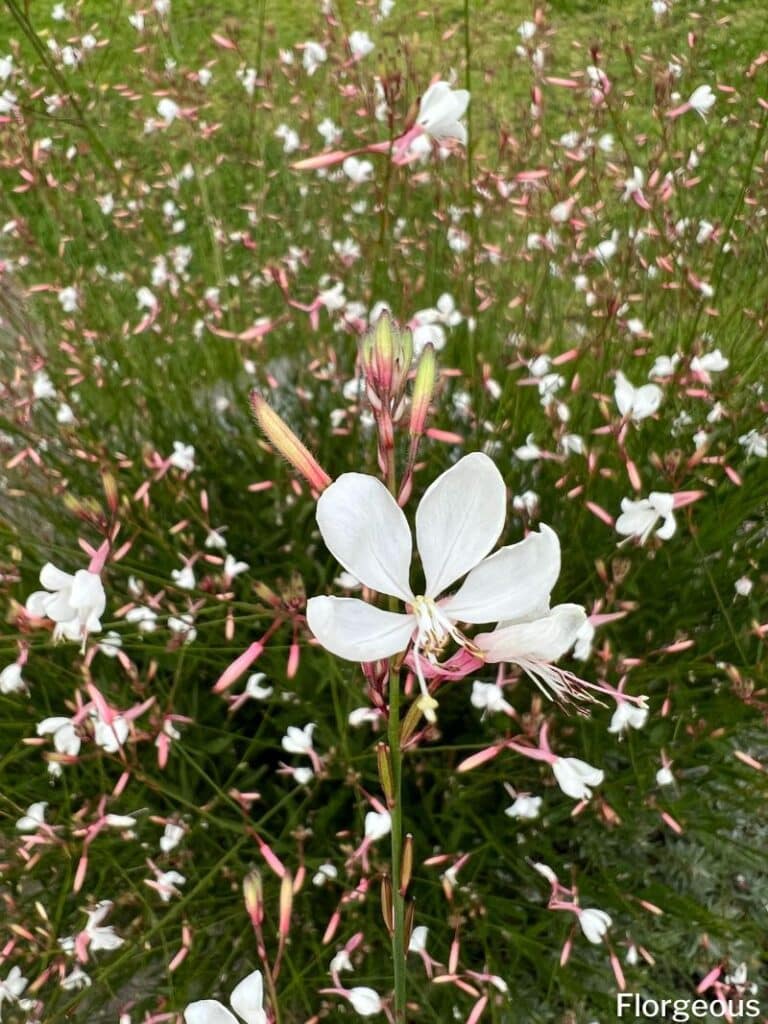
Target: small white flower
point(638, 518)
point(329, 131)
point(65, 739)
point(12, 987)
point(74, 603)
point(290, 138)
point(42, 385)
point(636, 403)
point(110, 736)
point(377, 825)
point(664, 366)
point(702, 100)
point(11, 680)
point(489, 697)
point(325, 873)
point(710, 362)
point(363, 716)
point(183, 456)
point(364, 1001)
point(143, 617)
point(525, 807)
point(233, 568)
point(302, 776)
point(440, 112)
point(361, 44)
point(358, 171)
point(595, 924)
point(742, 586)
point(184, 578)
point(575, 776)
point(298, 741)
point(313, 56)
point(418, 942)
point(33, 818)
point(68, 299)
point(341, 962)
point(215, 540)
point(171, 837)
point(110, 644)
point(184, 625)
point(527, 30)
point(754, 444)
point(627, 716)
point(254, 688)
point(168, 110)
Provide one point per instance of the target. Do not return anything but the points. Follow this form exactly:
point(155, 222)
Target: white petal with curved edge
point(545, 639)
point(459, 519)
point(208, 1011)
point(54, 579)
point(511, 584)
point(364, 528)
point(646, 401)
point(247, 999)
point(352, 629)
point(623, 394)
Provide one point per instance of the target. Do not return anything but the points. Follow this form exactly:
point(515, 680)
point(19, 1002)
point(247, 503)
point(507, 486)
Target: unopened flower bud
point(254, 897)
point(410, 913)
point(286, 904)
point(423, 389)
point(289, 446)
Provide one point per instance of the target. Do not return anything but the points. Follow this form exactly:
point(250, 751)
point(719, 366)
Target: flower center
point(434, 630)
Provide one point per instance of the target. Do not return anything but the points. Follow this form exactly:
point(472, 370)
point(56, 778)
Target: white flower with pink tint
point(74, 602)
point(639, 518)
point(247, 1000)
point(440, 112)
point(575, 777)
point(458, 521)
point(636, 403)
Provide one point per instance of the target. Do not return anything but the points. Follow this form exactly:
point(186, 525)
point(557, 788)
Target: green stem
point(398, 934)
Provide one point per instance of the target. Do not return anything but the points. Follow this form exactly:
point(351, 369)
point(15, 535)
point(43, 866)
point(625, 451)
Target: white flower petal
point(208, 1011)
point(545, 639)
point(510, 584)
point(364, 528)
point(459, 519)
point(247, 999)
point(352, 629)
point(54, 579)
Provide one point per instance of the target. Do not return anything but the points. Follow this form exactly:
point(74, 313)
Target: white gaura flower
point(12, 987)
point(441, 110)
point(595, 924)
point(365, 1001)
point(638, 518)
point(627, 716)
point(299, 741)
point(377, 825)
point(74, 603)
point(702, 100)
point(65, 738)
point(33, 818)
point(525, 807)
point(247, 1000)
point(636, 403)
point(575, 776)
point(458, 521)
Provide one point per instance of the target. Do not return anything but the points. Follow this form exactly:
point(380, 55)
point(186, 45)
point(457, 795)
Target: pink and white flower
point(458, 521)
point(247, 1000)
point(74, 603)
